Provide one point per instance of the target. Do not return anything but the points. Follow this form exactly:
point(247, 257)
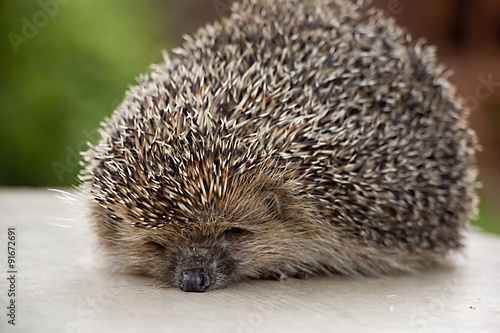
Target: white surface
point(59, 290)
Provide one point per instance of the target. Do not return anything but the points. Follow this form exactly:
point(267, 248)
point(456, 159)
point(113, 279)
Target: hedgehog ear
point(273, 203)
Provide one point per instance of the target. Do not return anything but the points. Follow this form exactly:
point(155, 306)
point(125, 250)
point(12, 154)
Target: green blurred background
point(65, 65)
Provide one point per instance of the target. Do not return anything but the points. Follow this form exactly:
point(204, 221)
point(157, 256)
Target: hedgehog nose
point(194, 279)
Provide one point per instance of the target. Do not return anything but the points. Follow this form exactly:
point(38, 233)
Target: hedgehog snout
point(205, 266)
point(194, 279)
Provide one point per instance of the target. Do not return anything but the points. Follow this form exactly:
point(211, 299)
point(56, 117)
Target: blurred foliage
point(488, 219)
point(61, 78)
point(70, 70)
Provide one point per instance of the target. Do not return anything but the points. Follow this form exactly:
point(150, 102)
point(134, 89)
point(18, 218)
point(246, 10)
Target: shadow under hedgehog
point(290, 138)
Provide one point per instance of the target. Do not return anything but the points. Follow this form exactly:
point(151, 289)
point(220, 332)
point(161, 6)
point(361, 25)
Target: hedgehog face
point(211, 253)
point(208, 246)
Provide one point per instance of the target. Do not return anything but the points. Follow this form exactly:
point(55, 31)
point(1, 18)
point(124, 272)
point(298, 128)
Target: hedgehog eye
point(235, 232)
point(151, 250)
point(154, 246)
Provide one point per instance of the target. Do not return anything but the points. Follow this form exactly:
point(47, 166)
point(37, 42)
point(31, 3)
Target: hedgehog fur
point(290, 138)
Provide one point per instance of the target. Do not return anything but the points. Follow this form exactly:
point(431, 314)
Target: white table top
point(61, 288)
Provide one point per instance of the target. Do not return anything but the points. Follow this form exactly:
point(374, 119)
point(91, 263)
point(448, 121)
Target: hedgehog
point(288, 139)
